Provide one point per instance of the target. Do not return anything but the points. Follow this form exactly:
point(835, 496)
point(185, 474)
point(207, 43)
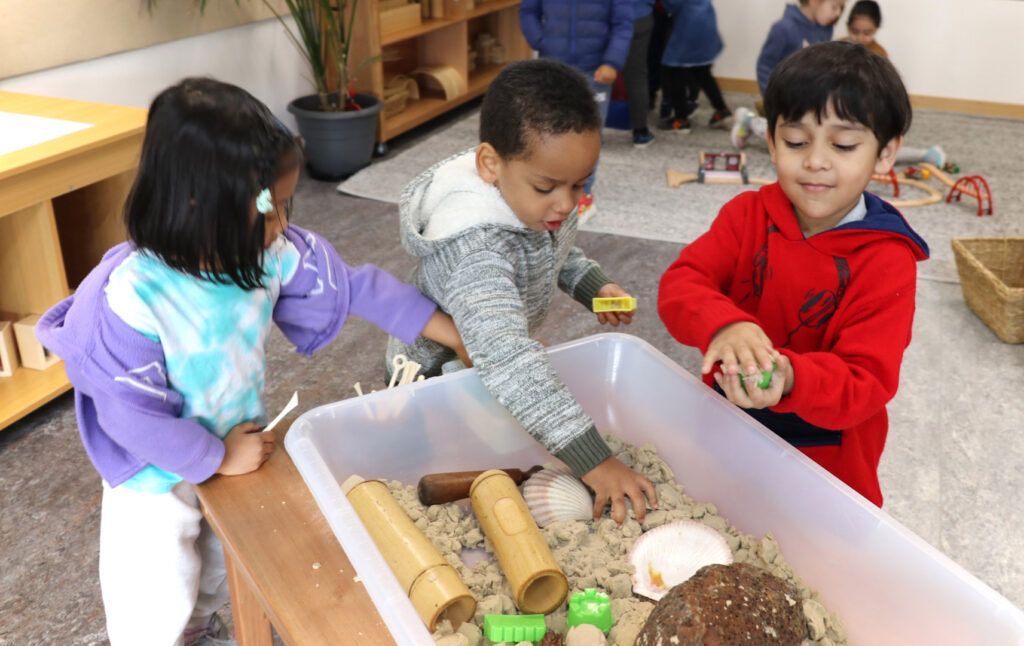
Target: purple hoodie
point(128, 416)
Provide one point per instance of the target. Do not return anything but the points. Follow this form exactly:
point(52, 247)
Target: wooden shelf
point(424, 109)
point(71, 188)
point(27, 390)
point(436, 42)
point(427, 26)
point(480, 78)
point(484, 8)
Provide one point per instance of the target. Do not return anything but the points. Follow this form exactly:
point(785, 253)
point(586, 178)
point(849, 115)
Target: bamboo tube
point(433, 586)
point(536, 579)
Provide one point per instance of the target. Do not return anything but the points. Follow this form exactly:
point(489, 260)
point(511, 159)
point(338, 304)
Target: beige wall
point(41, 34)
point(257, 56)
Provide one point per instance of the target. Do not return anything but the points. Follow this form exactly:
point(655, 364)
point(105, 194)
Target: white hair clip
point(264, 203)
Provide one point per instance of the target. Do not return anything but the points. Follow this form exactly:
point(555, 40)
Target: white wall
point(258, 57)
point(962, 49)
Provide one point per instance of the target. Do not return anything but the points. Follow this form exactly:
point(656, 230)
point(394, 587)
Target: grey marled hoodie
point(496, 278)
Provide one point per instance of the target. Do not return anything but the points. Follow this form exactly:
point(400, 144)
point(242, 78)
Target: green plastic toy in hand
point(764, 381)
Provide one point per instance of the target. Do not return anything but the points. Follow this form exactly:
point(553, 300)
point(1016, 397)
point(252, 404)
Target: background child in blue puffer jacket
point(693, 45)
point(591, 35)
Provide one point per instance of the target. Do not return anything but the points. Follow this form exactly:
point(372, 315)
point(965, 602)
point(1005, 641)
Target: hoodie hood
point(882, 221)
point(804, 25)
point(447, 200)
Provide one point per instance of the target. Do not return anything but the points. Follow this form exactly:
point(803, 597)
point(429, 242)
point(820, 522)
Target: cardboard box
point(887, 584)
point(33, 354)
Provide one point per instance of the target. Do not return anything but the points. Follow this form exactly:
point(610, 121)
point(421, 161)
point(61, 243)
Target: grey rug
point(634, 199)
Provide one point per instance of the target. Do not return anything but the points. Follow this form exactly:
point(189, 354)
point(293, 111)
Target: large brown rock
point(726, 605)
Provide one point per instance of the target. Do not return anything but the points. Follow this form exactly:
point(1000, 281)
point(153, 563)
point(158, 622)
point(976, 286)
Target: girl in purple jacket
point(164, 342)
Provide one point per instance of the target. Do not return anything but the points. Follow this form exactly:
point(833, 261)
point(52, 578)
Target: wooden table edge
point(285, 565)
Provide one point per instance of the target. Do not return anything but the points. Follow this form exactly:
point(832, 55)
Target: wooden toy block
point(8, 351)
point(33, 354)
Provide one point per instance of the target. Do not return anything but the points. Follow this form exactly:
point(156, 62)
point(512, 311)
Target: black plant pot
point(337, 143)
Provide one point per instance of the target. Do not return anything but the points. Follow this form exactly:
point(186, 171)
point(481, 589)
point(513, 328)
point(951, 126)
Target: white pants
point(161, 566)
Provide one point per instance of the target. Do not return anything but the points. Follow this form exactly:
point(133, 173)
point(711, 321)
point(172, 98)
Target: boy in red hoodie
point(811, 272)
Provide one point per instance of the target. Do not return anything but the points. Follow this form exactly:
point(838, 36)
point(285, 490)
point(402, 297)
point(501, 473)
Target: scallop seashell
point(672, 553)
point(556, 494)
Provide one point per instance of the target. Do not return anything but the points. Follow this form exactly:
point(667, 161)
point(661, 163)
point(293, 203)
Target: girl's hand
point(751, 396)
point(612, 481)
point(611, 290)
point(742, 347)
point(245, 449)
point(441, 328)
point(606, 74)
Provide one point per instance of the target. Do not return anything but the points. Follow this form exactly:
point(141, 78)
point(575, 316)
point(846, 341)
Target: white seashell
point(670, 554)
point(556, 494)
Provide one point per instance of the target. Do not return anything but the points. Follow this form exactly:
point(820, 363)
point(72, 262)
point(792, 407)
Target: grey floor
point(953, 470)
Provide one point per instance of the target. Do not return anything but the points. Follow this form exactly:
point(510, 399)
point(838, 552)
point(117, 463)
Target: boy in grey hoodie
point(494, 231)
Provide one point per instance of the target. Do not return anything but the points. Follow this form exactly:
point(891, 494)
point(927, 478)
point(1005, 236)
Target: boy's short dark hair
point(863, 87)
point(209, 149)
point(535, 97)
point(867, 8)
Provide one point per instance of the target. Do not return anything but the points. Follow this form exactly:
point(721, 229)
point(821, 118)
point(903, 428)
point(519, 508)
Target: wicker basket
point(992, 277)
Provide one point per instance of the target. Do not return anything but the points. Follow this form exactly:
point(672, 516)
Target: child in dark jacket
point(634, 73)
point(693, 45)
point(591, 35)
point(801, 25)
point(809, 23)
point(811, 273)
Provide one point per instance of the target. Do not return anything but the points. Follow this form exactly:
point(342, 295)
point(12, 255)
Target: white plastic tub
point(888, 585)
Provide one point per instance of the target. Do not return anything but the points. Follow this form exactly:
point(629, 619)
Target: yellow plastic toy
point(614, 304)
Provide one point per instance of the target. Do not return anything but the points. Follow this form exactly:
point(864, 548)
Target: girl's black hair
point(867, 8)
point(209, 149)
point(863, 88)
point(535, 97)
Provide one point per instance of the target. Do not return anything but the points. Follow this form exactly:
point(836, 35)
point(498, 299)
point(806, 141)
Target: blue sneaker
point(642, 138)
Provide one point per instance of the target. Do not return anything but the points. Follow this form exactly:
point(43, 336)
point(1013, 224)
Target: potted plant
point(337, 127)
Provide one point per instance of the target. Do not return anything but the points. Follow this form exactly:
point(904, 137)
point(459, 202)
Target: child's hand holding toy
point(754, 374)
point(611, 290)
point(245, 449)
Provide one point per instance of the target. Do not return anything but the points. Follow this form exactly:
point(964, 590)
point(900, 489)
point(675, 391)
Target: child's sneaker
point(935, 156)
point(214, 633)
point(718, 118)
point(642, 138)
point(585, 208)
point(681, 126)
point(665, 110)
point(741, 127)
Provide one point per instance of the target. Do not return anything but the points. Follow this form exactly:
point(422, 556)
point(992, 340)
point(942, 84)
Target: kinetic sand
point(593, 555)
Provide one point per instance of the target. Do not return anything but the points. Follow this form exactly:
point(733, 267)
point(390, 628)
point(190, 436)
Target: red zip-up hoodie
point(839, 305)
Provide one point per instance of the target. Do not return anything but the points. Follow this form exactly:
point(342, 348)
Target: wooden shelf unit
point(434, 42)
point(60, 211)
